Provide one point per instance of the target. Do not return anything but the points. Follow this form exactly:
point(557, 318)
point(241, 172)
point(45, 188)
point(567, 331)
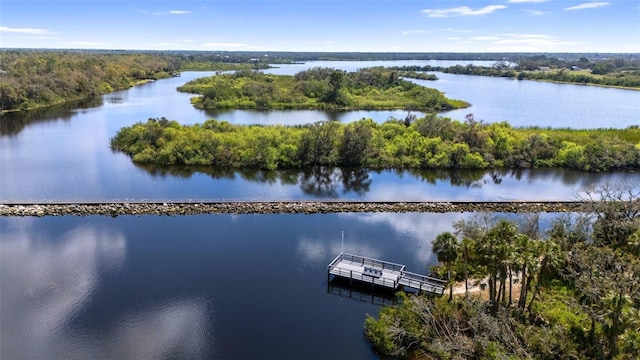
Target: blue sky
point(324, 25)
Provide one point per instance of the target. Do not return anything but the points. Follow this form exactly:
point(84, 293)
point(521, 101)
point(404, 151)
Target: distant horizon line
point(318, 52)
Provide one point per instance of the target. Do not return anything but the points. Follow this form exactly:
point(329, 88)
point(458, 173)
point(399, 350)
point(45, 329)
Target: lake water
point(209, 286)
point(224, 286)
point(62, 153)
point(521, 103)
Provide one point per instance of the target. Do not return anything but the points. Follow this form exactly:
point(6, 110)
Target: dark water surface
point(207, 286)
point(210, 286)
point(224, 286)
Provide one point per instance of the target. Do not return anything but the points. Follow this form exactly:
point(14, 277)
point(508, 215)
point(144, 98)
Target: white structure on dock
point(382, 273)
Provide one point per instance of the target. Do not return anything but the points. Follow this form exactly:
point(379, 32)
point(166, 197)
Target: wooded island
point(431, 142)
point(318, 88)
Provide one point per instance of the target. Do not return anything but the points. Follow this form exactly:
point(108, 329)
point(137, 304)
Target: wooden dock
point(382, 273)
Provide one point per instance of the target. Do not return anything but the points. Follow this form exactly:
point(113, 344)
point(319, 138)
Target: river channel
point(62, 153)
point(233, 286)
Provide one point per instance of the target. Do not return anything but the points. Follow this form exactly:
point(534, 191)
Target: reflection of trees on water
point(356, 180)
point(331, 182)
point(14, 122)
point(322, 182)
point(466, 178)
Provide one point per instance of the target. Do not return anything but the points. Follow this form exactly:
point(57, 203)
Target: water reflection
point(116, 98)
point(176, 329)
point(318, 182)
point(362, 292)
point(316, 251)
point(299, 117)
point(416, 230)
point(325, 181)
point(11, 124)
point(206, 286)
point(49, 282)
point(398, 184)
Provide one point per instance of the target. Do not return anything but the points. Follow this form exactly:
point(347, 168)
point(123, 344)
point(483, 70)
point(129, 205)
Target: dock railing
point(364, 261)
point(350, 274)
point(372, 271)
point(422, 282)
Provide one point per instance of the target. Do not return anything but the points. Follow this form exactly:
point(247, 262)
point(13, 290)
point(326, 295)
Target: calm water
point(62, 153)
point(224, 286)
point(544, 104)
point(211, 286)
point(521, 103)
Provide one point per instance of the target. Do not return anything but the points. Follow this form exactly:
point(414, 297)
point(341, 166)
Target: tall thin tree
point(446, 247)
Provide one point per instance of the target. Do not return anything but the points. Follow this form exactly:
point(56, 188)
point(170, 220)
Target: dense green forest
point(35, 78)
point(32, 79)
point(318, 88)
point(572, 292)
point(430, 142)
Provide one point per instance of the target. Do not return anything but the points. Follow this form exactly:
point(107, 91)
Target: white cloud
point(589, 5)
point(535, 12)
point(170, 12)
point(462, 11)
point(33, 31)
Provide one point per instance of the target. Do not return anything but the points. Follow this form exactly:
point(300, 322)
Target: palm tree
point(466, 249)
point(446, 246)
point(496, 249)
point(526, 262)
point(551, 256)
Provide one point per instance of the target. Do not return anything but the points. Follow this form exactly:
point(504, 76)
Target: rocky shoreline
point(280, 207)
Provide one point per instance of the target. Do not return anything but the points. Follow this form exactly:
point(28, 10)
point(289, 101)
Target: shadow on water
point(11, 124)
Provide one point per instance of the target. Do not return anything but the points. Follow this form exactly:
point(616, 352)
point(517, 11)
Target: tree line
point(31, 79)
point(604, 73)
point(318, 88)
point(430, 142)
point(578, 289)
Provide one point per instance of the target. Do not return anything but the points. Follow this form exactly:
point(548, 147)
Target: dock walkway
point(382, 273)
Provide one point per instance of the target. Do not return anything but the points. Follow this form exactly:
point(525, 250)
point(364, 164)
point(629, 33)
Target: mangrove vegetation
point(33, 79)
point(430, 142)
point(318, 88)
point(572, 292)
